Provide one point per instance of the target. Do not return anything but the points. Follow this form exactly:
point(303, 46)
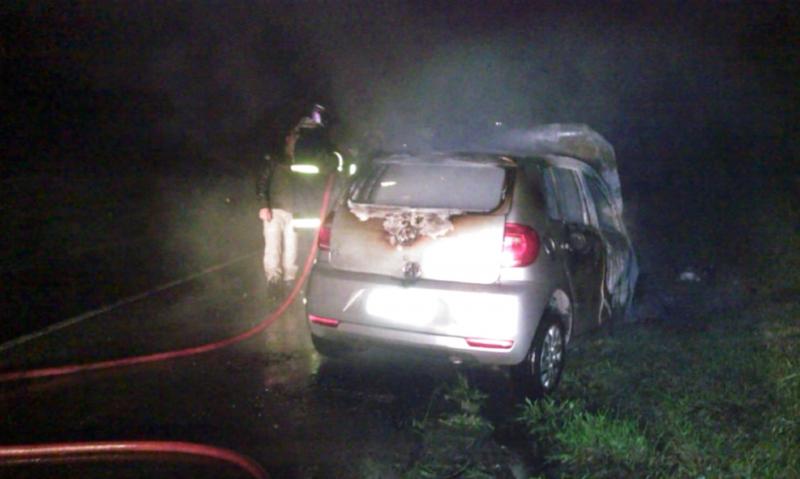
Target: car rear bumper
point(488, 324)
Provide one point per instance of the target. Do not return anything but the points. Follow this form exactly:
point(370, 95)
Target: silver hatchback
point(492, 258)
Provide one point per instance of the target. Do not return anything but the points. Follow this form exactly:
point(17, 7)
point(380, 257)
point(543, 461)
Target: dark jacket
point(275, 184)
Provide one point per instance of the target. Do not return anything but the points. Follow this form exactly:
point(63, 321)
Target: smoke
point(434, 71)
point(175, 101)
point(696, 100)
point(426, 74)
point(414, 77)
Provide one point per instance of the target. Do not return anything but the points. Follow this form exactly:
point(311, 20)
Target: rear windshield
point(455, 185)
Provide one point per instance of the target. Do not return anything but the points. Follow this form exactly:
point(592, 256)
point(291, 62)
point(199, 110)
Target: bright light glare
point(385, 184)
point(402, 305)
point(305, 223)
point(470, 314)
point(305, 169)
point(474, 258)
point(485, 315)
point(352, 169)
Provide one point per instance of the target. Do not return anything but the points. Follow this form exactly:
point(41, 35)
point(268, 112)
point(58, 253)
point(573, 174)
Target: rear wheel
point(541, 370)
point(328, 348)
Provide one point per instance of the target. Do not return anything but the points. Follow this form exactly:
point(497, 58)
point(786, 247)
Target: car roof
point(443, 158)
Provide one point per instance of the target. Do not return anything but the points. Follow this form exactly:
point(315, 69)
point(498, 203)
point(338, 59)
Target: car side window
point(550, 194)
point(606, 217)
point(569, 197)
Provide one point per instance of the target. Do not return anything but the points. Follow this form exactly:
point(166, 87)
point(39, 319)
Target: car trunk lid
point(438, 217)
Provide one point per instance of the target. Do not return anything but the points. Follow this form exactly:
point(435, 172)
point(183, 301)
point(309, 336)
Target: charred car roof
point(445, 158)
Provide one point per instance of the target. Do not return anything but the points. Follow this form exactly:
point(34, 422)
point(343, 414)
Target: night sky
point(699, 98)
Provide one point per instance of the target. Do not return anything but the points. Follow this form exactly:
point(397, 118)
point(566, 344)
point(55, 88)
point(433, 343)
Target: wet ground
point(271, 397)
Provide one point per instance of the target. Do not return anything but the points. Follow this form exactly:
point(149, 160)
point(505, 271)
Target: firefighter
point(275, 190)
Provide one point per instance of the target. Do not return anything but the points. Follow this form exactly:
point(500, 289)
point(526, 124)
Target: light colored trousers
point(280, 247)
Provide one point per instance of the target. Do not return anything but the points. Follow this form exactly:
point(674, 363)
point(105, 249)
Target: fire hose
point(77, 451)
point(44, 451)
point(178, 353)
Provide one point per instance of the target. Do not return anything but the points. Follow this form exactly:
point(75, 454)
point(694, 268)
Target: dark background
point(132, 130)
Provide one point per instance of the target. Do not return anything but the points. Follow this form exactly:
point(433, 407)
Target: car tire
point(328, 348)
point(540, 372)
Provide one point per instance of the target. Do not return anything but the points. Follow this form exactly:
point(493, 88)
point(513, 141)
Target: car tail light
point(490, 343)
point(323, 321)
point(520, 245)
point(324, 239)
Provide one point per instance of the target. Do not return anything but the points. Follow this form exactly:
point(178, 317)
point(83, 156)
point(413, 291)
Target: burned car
point(496, 257)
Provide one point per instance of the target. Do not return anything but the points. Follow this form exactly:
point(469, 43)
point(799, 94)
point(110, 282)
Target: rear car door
point(619, 250)
point(583, 247)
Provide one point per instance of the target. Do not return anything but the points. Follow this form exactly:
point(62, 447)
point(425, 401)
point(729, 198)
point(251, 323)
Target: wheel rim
point(552, 356)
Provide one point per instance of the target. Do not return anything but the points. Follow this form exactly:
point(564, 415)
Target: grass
point(717, 397)
point(722, 400)
point(453, 440)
